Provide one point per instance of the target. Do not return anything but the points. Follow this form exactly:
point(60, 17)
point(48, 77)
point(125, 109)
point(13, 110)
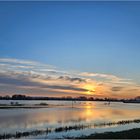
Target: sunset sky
point(70, 49)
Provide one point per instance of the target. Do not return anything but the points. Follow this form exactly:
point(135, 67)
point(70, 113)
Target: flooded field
point(68, 119)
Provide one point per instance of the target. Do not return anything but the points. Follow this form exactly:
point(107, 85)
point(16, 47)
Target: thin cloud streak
point(111, 78)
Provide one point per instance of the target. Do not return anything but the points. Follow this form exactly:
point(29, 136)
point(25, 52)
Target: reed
point(65, 129)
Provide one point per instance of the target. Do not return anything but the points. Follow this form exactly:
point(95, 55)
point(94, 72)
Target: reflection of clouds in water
point(24, 121)
point(86, 112)
point(77, 120)
point(118, 112)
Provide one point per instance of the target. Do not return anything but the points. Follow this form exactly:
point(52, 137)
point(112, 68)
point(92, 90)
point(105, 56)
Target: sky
point(70, 48)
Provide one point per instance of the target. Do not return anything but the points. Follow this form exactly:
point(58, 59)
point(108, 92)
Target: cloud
point(116, 88)
point(34, 77)
point(64, 87)
point(106, 76)
point(75, 79)
point(17, 61)
point(133, 90)
point(24, 81)
point(109, 78)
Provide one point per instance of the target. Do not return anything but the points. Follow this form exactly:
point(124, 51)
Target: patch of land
point(28, 106)
point(126, 134)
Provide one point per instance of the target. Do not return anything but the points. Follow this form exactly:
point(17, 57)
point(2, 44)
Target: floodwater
point(68, 114)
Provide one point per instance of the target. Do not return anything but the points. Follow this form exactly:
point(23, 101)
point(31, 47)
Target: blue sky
point(96, 37)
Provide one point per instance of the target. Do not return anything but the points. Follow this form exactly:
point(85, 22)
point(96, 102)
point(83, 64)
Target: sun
point(90, 89)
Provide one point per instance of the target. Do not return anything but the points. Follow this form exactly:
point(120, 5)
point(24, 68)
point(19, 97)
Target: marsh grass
point(126, 134)
point(67, 128)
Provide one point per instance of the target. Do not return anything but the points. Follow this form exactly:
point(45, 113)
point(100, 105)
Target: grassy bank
point(127, 134)
point(28, 106)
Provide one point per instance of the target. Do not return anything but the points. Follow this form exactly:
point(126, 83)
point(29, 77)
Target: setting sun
point(90, 89)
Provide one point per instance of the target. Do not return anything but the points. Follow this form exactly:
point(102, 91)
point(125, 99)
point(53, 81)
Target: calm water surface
point(12, 120)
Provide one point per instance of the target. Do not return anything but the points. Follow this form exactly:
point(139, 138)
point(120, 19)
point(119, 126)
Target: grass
point(28, 106)
point(43, 103)
point(127, 134)
point(24, 134)
point(134, 133)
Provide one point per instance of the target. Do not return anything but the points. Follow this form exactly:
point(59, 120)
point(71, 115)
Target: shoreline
point(26, 106)
point(125, 134)
point(131, 133)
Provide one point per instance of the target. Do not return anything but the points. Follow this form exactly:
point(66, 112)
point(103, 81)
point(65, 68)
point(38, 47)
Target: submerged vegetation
point(43, 103)
point(13, 105)
point(81, 126)
point(24, 134)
